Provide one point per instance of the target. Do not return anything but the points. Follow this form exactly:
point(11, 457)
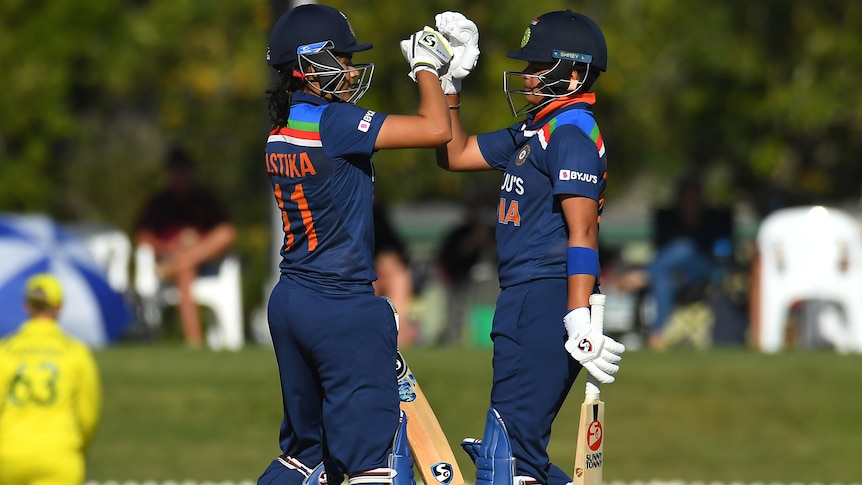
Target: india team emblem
point(526, 37)
point(522, 155)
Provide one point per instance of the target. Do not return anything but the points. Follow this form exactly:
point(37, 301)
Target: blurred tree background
point(763, 97)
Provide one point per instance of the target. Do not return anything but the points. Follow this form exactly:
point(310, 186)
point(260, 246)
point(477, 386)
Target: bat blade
point(589, 453)
point(589, 456)
point(430, 449)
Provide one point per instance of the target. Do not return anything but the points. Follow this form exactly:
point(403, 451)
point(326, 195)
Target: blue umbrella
point(92, 311)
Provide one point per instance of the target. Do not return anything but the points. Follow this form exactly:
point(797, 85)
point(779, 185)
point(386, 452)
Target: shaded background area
point(762, 97)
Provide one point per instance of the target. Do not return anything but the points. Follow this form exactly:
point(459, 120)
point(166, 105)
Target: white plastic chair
point(221, 292)
point(111, 249)
point(810, 253)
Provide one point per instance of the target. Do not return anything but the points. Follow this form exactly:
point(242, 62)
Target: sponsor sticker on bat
point(406, 381)
point(594, 460)
point(442, 472)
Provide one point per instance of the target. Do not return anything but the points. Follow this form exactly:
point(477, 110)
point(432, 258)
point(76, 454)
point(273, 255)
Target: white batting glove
point(427, 49)
point(598, 353)
point(463, 35)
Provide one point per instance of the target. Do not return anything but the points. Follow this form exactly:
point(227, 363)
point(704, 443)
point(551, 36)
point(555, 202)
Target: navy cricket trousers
point(533, 372)
point(336, 360)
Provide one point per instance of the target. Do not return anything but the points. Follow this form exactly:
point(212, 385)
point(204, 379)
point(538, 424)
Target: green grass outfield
point(176, 414)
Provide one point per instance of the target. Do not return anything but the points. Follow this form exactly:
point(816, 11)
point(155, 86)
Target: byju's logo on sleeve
point(580, 176)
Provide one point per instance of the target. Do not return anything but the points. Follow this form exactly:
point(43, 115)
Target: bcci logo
point(442, 472)
point(526, 38)
point(522, 155)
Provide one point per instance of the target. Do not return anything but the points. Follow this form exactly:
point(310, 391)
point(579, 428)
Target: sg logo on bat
point(442, 472)
point(594, 435)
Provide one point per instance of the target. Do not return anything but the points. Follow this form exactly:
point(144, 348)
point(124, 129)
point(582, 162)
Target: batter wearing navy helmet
point(554, 167)
point(334, 340)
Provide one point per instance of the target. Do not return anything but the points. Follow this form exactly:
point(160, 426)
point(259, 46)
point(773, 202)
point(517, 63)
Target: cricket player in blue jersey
point(551, 196)
point(335, 341)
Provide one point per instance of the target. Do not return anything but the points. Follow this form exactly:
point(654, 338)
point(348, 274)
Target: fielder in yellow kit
point(50, 395)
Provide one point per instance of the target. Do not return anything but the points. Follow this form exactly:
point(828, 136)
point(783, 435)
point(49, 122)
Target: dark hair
point(279, 96)
point(39, 304)
point(178, 158)
point(588, 78)
point(561, 75)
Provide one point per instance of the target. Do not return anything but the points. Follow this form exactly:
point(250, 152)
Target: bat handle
point(592, 391)
point(597, 317)
point(597, 311)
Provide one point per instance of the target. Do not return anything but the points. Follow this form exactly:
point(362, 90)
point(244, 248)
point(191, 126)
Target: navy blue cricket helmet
point(566, 40)
point(308, 38)
point(563, 35)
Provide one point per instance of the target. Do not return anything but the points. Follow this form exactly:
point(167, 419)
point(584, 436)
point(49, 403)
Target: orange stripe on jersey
point(602, 198)
point(298, 196)
point(305, 135)
point(288, 236)
point(589, 98)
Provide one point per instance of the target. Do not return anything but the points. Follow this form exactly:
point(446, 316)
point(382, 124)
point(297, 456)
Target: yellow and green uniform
point(50, 399)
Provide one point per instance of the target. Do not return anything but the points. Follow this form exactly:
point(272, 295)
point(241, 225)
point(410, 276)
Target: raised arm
point(462, 152)
point(427, 52)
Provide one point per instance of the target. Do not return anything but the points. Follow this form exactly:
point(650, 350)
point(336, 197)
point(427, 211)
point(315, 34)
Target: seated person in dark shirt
point(686, 236)
point(187, 227)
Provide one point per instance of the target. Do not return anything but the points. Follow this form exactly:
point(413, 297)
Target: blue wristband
point(582, 260)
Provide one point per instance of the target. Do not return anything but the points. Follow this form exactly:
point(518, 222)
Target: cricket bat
point(589, 456)
point(430, 449)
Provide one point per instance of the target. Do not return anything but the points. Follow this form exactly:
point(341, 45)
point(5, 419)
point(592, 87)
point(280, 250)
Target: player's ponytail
point(279, 97)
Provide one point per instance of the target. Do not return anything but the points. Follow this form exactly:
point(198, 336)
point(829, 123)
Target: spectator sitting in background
point(685, 236)
point(394, 277)
point(50, 395)
point(464, 246)
point(187, 227)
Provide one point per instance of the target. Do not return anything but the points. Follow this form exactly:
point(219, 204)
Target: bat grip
point(597, 311)
point(592, 391)
point(597, 317)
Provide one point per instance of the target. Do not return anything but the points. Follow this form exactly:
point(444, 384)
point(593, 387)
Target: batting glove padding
point(597, 353)
point(463, 36)
point(426, 49)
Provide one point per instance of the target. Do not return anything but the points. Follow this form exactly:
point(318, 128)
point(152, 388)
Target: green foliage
point(96, 91)
point(762, 96)
point(720, 416)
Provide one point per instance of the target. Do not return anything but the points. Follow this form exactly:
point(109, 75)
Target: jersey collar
point(585, 98)
point(302, 97)
point(39, 324)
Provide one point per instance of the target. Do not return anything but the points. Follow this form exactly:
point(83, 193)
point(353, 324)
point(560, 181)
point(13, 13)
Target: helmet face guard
point(552, 84)
point(564, 41)
point(327, 75)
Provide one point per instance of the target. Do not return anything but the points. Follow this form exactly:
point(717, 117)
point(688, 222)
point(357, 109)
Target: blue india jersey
point(323, 182)
point(562, 152)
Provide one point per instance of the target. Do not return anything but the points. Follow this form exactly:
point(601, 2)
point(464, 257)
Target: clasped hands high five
point(451, 50)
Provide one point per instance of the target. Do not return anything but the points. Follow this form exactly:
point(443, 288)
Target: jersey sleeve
point(497, 146)
point(89, 395)
point(7, 370)
point(347, 130)
point(574, 163)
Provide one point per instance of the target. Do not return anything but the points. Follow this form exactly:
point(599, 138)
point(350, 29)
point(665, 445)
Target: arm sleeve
point(348, 130)
point(89, 396)
point(574, 165)
point(5, 376)
point(498, 146)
